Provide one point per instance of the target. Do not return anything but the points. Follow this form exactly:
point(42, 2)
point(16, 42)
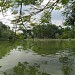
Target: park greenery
point(5, 31)
point(42, 29)
point(33, 47)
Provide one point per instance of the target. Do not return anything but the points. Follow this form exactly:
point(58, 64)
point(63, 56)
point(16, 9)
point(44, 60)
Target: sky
point(5, 18)
point(56, 17)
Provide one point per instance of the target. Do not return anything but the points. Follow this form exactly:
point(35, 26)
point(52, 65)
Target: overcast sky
point(57, 17)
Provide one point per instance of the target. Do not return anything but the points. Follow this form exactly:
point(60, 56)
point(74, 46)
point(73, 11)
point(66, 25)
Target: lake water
point(40, 57)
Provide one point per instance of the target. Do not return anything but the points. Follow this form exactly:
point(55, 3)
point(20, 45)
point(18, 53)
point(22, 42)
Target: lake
point(39, 57)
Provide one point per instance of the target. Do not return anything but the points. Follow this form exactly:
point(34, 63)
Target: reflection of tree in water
point(67, 64)
point(26, 69)
point(6, 47)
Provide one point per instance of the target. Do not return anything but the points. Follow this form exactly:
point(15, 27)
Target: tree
point(46, 31)
point(70, 13)
point(70, 16)
point(16, 7)
point(18, 4)
point(6, 4)
point(46, 18)
point(4, 31)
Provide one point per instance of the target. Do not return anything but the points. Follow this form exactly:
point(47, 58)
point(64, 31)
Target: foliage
point(70, 13)
point(46, 18)
point(4, 31)
point(6, 47)
point(45, 31)
point(14, 5)
point(70, 16)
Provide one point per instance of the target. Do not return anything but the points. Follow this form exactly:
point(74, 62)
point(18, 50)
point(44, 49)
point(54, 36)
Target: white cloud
point(6, 18)
point(57, 17)
point(44, 2)
point(57, 22)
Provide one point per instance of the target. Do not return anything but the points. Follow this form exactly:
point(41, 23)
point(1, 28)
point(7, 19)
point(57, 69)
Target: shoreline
point(36, 39)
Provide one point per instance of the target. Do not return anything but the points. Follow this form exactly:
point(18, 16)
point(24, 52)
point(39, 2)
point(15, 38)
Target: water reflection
point(26, 69)
point(6, 47)
point(67, 61)
point(38, 58)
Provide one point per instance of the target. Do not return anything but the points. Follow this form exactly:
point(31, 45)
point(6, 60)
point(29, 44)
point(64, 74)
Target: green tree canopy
point(70, 13)
point(4, 31)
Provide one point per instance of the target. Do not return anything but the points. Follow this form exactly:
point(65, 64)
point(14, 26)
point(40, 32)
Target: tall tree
point(46, 18)
point(4, 31)
point(70, 16)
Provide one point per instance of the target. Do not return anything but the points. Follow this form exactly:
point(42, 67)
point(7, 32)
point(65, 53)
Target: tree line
point(5, 32)
point(52, 31)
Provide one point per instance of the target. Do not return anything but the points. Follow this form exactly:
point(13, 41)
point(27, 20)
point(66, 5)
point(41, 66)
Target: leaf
point(57, 1)
point(64, 1)
point(58, 7)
